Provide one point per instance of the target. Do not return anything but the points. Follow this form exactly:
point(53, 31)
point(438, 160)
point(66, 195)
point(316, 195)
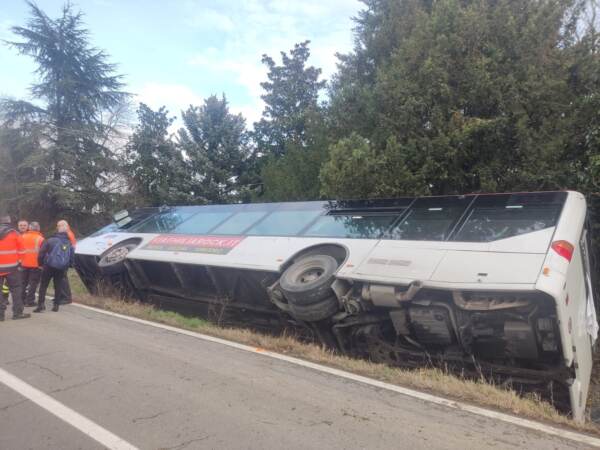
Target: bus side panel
point(582, 349)
point(565, 281)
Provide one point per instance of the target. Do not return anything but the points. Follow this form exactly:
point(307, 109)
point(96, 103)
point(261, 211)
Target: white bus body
point(493, 283)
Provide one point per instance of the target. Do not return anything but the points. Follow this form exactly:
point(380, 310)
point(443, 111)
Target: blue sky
point(178, 52)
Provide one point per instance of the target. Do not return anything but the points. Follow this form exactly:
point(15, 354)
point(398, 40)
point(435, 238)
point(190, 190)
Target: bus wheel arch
point(112, 261)
point(337, 251)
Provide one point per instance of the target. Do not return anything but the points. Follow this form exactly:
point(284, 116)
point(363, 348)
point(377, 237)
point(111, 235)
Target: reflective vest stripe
point(8, 252)
point(6, 266)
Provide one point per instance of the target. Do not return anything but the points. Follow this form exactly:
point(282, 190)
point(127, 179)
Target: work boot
point(39, 309)
point(2, 317)
point(55, 307)
point(21, 316)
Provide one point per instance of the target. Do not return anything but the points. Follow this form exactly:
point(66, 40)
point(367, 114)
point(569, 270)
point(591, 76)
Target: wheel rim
point(310, 275)
point(117, 255)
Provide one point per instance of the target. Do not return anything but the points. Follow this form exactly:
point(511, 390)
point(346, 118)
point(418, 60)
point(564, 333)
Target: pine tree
point(475, 95)
point(291, 95)
point(78, 100)
point(216, 144)
point(292, 136)
point(153, 161)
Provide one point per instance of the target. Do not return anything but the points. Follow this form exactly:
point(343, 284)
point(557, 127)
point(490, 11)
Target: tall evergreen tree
point(295, 175)
point(292, 136)
point(154, 163)
point(476, 95)
point(216, 144)
point(77, 97)
point(291, 96)
point(19, 169)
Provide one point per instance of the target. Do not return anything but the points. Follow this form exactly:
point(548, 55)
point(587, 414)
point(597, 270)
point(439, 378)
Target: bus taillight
point(564, 249)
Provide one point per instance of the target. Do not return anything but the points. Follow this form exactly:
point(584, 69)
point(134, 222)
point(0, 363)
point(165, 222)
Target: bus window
point(365, 226)
point(493, 223)
point(165, 221)
point(202, 222)
point(284, 223)
point(494, 217)
point(240, 222)
point(427, 224)
point(110, 228)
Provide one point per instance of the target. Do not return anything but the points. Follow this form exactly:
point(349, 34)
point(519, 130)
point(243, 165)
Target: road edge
point(423, 396)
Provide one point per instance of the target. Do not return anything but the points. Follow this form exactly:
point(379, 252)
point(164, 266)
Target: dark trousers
point(59, 278)
point(67, 297)
point(13, 280)
point(31, 280)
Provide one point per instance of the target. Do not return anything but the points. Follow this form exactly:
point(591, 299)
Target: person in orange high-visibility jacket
point(31, 273)
point(11, 248)
point(67, 295)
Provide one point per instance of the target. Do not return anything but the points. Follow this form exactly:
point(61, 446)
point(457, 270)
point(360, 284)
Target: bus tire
point(323, 309)
point(308, 280)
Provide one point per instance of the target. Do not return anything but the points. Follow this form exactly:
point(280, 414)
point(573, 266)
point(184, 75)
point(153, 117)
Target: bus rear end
point(493, 284)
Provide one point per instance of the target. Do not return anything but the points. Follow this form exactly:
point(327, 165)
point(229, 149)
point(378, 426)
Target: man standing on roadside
point(22, 227)
point(32, 242)
point(55, 258)
point(11, 247)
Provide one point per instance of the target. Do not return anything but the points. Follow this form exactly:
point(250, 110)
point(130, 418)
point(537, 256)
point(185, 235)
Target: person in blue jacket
point(55, 257)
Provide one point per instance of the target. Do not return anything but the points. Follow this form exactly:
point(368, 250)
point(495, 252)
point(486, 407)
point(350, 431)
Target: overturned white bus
point(494, 284)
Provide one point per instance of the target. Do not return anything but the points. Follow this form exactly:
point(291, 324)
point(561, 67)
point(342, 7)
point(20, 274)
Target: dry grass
point(427, 379)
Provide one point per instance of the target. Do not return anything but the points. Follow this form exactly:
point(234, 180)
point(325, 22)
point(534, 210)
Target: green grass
point(178, 320)
point(77, 286)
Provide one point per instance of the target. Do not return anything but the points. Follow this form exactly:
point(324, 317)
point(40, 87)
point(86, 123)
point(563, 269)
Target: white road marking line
point(73, 418)
point(525, 423)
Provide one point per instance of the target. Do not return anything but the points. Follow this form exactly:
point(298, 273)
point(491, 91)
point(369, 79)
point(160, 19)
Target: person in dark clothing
point(11, 249)
point(55, 257)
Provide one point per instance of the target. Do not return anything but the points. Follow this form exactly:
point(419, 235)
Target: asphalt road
point(157, 389)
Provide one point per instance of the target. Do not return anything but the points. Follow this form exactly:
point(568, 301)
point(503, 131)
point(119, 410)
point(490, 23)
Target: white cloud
point(211, 19)
point(251, 112)
point(268, 27)
point(108, 3)
point(5, 26)
point(175, 97)
point(178, 97)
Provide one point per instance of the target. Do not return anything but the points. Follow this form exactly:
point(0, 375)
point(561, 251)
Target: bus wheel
point(308, 280)
point(111, 262)
point(317, 311)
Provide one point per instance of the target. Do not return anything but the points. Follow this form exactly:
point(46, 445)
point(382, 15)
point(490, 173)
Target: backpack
point(59, 257)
